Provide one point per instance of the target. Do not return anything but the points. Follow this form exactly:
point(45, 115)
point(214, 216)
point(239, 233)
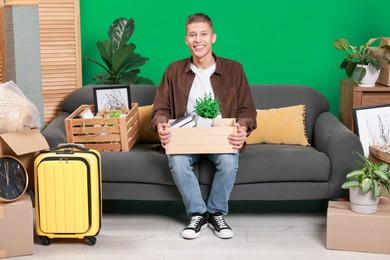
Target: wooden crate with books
point(101, 132)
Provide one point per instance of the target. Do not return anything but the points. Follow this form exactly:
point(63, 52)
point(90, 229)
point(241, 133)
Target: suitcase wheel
point(45, 241)
point(91, 240)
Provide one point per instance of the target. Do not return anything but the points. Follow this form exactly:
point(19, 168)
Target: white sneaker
point(221, 228)
point(197, 223)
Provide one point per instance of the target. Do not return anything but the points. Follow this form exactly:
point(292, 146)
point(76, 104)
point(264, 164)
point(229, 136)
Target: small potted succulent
point(362, 63)
point(365, 185)
point(207, 108)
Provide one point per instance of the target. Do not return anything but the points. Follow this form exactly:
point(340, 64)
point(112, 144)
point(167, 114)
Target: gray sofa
point(266, 171)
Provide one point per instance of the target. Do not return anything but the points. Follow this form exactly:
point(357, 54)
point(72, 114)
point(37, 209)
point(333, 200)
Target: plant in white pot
point(207, 108)
point(361, 63)
point(365, 185)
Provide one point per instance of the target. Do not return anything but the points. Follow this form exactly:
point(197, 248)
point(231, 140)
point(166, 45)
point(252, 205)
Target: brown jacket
point(228, 81)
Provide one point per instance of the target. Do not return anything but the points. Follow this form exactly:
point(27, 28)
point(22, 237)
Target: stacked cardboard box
point(350, 231)
point(17, 230)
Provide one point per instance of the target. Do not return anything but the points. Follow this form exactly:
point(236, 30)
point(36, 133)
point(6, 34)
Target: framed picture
point(372, 125)
point(114, 97)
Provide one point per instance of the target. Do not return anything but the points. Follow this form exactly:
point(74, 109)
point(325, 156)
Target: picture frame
point(372, 125)
point(111, 97)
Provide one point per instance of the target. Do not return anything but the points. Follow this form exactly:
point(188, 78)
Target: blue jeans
point(188, 185)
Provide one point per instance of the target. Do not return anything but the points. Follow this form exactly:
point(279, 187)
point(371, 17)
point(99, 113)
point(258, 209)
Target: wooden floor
point(151, 230)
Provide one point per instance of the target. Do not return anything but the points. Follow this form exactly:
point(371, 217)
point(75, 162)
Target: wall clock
point(13, 179)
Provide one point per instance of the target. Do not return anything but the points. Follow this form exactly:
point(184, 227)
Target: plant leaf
point(371, 41)
point(377, 192)
point(104, 50)
point(381, 175)
point(134, 61)
point(384, 167)
point(122, 55)
point(350, 68)
point(359, 74)
point(120, 32)
point(354, 175)
point(350, 184)
point(366, 184)
point(341, 44)
point(385, 187)
point(376, 63)
point(98, 63)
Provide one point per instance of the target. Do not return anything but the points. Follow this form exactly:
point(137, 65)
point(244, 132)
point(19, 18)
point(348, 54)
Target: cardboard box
point(17, 230)
point(25, 146)
point(384, 76)
point(197, 140)
point(350, 231)
point(103, 134)
point(384, 41)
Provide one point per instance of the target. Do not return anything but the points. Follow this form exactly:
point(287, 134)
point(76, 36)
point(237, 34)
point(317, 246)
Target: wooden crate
point(103, 134)
point(197, 140)
point(379, 152)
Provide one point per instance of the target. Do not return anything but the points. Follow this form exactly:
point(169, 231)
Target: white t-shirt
point(200, 86)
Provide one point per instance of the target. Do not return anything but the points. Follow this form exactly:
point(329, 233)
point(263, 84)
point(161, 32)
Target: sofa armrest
point(54, 132)
point(337, 142)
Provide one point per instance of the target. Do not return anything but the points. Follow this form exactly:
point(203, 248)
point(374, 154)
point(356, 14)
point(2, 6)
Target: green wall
point(277, 41)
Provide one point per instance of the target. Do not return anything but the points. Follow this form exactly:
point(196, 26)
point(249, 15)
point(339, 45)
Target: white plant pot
point(203, 122)
point(363, 203)
point(371, 76)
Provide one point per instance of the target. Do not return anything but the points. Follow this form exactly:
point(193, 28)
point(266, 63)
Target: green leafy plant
point(207, 106)
point(361, 55)
point(121, 63)
point(370, 177)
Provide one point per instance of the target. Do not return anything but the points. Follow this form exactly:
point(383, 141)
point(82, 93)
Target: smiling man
point(183, 82)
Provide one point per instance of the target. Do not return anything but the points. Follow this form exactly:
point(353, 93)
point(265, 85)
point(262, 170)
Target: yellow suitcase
point(68, 193)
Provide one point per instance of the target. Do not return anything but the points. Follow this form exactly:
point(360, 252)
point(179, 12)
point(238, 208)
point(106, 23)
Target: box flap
point(25, 142)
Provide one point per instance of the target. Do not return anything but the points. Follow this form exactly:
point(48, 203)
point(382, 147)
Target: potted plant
point(361, 63)
point(121, 63)
point(207, 108)
point(365, 185)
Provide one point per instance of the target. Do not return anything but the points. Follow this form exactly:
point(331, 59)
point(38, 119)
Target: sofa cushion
point(276, 96)
point(280, 126)
point(139, 165)
point(276, 163)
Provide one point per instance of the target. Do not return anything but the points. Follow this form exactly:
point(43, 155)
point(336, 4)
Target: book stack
point(185, 121)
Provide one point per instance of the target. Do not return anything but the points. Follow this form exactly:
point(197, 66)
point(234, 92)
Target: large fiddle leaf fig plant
point(121, 63)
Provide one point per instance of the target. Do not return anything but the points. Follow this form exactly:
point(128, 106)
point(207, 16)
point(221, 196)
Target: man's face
point(199, 39)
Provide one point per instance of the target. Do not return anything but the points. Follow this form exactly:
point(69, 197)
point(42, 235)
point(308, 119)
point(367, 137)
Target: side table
point(352, 96)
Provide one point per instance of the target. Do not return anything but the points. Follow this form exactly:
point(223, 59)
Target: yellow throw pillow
point(147, 135)
point(280, 126)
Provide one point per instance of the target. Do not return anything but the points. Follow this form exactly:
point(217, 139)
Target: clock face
point(13, 178)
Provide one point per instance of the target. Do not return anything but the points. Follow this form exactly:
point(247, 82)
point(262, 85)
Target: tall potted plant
point(207, 108)
point(361, 63)
point(365, 185)
point(121, 63)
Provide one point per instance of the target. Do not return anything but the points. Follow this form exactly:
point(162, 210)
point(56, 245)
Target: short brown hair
point(199, 18)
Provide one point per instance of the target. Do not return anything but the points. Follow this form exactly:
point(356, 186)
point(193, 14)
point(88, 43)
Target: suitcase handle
point(69, 145)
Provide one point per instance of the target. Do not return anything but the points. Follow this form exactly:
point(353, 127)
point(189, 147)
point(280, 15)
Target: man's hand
point(238, 139)
point(164, 133)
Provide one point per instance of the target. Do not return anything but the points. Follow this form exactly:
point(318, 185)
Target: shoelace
point(221, 221)
point(194, 221)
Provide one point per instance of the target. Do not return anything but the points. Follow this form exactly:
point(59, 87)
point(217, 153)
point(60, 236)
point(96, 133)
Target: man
point(183, 82)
